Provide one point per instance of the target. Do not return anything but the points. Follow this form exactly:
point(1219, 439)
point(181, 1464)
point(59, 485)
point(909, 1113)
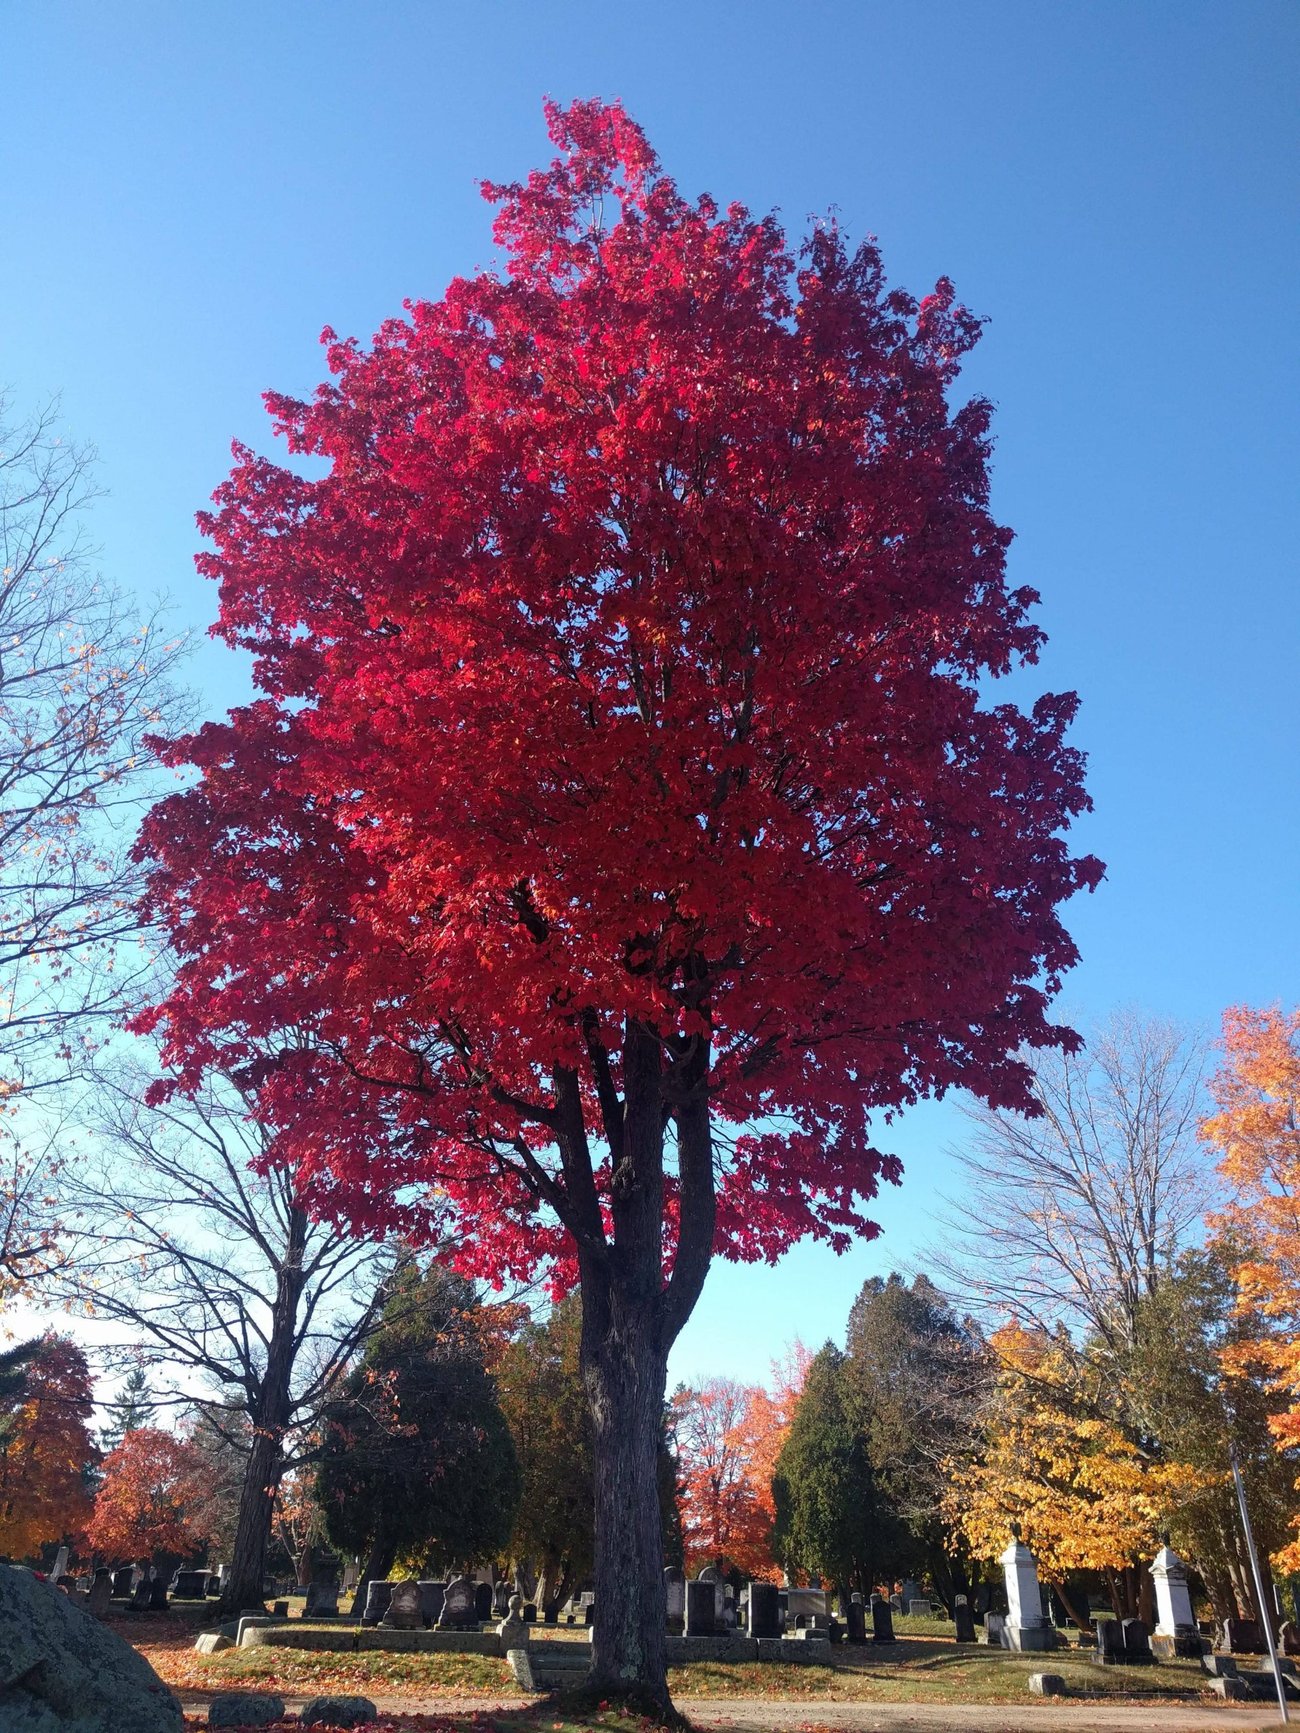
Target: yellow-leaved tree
point(1257, 1134)
point(1055, 1463)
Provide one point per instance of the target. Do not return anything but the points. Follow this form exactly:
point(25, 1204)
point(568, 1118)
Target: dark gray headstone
point(701, 1609)
point(1243, 1637)
point(123, 1582)
point(431, 1599)
point(882, 1622)
point(483, 1602)
point(158, 1595)
point(856, 1620)
point(457, 1606)
point(1137, 1642)
point(1110, 1642)
point(963, 1620)
point(764, 1610)
point(530, 1613)
point(378, 1595)
point(190, 1585)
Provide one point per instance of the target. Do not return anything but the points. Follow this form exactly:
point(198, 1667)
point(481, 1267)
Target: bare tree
point(215, 1270)
point(1074, 1216)
point(82, 679)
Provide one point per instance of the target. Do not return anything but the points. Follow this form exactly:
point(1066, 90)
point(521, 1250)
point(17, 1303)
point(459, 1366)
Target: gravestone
point(124, 1582)
point(483, 1602)
point(513, 1629)
point(882, 1622)
point(1288, 1638)
point(432, 1595)
point(701, 1609)
point(963, 1620)
point(804, 1607)
point(1026, 1628)
point(530, 1612)
point(322, 1598)
point(457, 1606)
point(140, 1595)
point(1110, 1643)
point(1137, 1643)
point(856, 1618)
point(713, 1574)
point(403, 1610)
point(378, 1594)
point(919, 1609)
point(764, 1610)
point(995, 1626)
point(674, 1598)
point(60, 1566)
point(190, 1585)
point(1175, 1632)
point(1243, 1637)
point(158, 1595)
point(501, 1596)
point(101, 1593)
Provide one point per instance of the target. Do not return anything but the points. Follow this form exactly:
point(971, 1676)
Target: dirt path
point(810, 1715)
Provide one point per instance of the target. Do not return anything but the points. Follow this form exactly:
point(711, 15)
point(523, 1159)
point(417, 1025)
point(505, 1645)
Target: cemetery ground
point(922, 1681)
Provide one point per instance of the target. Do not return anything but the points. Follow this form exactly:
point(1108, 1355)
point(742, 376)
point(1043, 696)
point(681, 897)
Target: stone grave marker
point(513, 1629)
point(1026, 1628)
point(124, 1582)
point(764, 1610)
point(1110, 1642)
point(674, 1598)
point(856, 1619)
point(1175, 1632)
point(101, 1593)
point(378, 1594)
point(882, 1622)
point(322, 1597)
point(457, 1606)
point(483, 1602)
point(995, 1625)
point(701, 1609)
point(1137, 1643)
point(963, 1620)
point(158, 1595)
point(403, 1610)
point(432, 1595)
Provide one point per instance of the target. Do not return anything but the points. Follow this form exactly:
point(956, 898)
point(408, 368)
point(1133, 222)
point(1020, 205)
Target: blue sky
point(189, 192)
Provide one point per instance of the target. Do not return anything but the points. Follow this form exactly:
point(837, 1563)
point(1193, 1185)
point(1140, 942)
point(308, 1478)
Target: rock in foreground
point(61, 1671)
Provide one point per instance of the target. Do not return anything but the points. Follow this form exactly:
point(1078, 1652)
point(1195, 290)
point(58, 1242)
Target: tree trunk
point(269, 1412)
point(378, 1565)
point(625, 1370)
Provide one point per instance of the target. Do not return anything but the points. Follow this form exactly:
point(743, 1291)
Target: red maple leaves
point(623, 668)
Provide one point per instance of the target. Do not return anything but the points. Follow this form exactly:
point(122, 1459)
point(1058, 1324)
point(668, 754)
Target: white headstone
point(1026, 1628)
point(60, 1564)
point(1174, 1615)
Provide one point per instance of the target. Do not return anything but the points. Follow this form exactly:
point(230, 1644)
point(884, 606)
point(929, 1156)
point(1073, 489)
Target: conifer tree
point(130, 1409)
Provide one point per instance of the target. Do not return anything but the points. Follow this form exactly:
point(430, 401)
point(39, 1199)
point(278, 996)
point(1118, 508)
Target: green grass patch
point(297, 1670)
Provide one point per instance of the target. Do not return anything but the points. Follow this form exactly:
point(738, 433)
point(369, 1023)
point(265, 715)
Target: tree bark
point(269, 1412)
point(625, 1370)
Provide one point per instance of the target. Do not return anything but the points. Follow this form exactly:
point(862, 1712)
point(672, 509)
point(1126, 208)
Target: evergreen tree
point(915, 1373)
point(130, 1409)
point(830, 1519)
point(416, 1456)
point(14, 1366)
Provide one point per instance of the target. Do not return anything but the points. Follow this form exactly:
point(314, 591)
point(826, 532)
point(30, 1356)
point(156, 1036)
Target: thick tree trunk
point(246, 1577)
point(625, 1370)
point(270, 1411)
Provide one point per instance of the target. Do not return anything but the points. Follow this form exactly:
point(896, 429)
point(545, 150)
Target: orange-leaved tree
point(149, 1499)
point(46, 1451)
point(1056, 1463)
point(729, 1436)
point(1257, 1133)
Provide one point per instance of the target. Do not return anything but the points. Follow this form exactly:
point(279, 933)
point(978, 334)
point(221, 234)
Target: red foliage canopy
point(621, 671)
point(147, 1503)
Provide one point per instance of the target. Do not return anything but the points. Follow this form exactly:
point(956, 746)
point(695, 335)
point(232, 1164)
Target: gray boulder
point(61, 1671)
point(245, 1709)
point(338, 1712)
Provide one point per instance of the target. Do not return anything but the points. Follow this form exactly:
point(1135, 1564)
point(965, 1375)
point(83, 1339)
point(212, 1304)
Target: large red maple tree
point(621, 829)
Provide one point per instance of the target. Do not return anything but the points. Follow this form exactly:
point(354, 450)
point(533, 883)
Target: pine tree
point(130, 1409)
point(14, 1366)
point(830, 1518)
